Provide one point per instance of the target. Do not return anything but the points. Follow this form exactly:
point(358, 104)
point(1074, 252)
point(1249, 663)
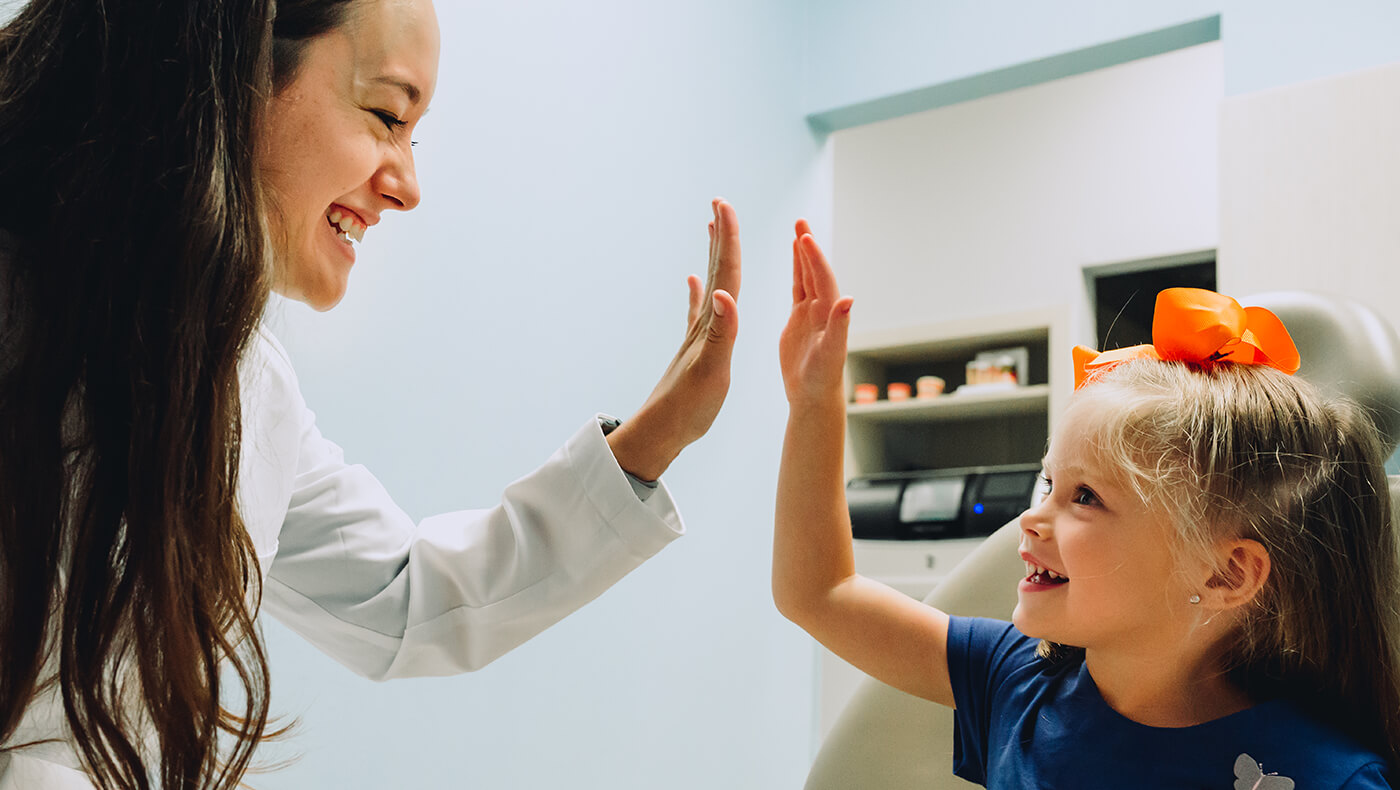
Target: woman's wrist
point(641, 451)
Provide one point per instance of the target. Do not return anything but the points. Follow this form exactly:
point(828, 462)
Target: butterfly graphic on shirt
point(1249, 775)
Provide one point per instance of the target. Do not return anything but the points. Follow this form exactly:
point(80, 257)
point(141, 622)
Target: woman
point(165, 165)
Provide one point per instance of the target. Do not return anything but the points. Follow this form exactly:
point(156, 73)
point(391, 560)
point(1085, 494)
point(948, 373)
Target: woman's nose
point(397, 182)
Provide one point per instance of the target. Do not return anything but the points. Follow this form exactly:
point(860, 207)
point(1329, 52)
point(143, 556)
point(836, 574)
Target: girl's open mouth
point(1044, 576)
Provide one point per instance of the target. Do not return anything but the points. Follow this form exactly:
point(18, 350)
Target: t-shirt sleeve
point(980, 654)
point(1370, 777)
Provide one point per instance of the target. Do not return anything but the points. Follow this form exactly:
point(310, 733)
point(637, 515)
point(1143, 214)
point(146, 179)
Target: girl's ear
point(1243, 570)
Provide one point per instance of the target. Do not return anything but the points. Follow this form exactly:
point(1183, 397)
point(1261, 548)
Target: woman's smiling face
point(336, 146)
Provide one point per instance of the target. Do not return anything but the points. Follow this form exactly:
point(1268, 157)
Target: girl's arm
point(881, 631)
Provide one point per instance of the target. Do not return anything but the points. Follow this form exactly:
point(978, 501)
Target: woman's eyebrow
point(408, 88)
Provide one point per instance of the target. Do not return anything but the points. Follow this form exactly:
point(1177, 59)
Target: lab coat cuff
point(643, 488)
point(644, 526)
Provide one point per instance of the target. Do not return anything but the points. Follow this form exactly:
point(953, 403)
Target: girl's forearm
point(812, 534)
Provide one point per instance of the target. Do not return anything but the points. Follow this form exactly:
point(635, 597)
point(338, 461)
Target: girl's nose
point(1034, 521)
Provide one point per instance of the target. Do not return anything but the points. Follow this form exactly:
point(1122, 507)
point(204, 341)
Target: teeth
point(1037, 570)
point(350, 226)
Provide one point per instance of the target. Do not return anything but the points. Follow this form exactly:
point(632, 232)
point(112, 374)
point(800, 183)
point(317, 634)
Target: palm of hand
point(694, 386)
point(812, 348)
point(691, 391)
point(811, 354)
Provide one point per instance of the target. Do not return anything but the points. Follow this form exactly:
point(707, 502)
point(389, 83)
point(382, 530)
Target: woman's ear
point(1244, 567)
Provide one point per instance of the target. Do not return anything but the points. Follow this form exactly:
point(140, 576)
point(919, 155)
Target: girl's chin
point(1027, 624)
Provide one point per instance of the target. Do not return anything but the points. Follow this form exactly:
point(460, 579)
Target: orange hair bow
point(1195, 325)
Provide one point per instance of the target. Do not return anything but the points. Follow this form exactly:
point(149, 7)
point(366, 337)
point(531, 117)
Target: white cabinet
point(966, 426)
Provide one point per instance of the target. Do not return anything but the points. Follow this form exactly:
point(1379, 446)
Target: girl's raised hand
point(879, 630)
point(812, 349)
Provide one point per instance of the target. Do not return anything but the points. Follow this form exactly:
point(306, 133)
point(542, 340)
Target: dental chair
point(888, 740)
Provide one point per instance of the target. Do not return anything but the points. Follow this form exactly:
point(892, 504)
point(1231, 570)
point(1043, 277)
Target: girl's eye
point(1084, 496)
point(1042, 485)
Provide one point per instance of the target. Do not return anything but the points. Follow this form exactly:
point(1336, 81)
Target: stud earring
point(1195, 598)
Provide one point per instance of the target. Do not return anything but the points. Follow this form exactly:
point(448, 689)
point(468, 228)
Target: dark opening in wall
point(1123, 301)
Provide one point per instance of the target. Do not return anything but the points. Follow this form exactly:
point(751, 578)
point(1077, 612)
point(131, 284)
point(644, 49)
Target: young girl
point(1210, 576)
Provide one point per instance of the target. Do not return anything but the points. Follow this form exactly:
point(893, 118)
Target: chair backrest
point(885, 739)
point(888, 740)
point(1346, 349)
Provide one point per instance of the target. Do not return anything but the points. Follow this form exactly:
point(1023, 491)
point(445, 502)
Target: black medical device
point(939, 503)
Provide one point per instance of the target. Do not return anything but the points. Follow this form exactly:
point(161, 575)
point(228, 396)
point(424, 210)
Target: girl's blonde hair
point(1245, 451)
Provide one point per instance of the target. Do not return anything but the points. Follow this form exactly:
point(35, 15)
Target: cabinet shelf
point(990, 427)
point(1034, 399)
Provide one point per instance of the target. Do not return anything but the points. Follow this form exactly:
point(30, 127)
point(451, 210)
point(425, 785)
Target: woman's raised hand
point(812, 349)
point(692, 390)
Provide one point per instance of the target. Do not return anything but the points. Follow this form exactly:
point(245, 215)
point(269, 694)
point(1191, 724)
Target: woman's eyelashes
point(392, 122)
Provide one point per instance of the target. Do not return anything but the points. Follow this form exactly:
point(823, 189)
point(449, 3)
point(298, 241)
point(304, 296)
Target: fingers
point(725, 257)
point(812, 277)
point(724, 327)
point(710, 261)
point(818, 279)
point(799, 293)
point(839, 322)
point(697, 299)
point(809, 284)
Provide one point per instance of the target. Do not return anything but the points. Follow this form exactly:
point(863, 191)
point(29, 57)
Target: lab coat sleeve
point(356, 577)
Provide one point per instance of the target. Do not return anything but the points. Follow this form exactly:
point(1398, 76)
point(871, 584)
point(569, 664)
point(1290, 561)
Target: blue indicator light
point(978, 508)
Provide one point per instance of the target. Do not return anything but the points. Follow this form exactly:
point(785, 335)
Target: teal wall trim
point(1022, 75)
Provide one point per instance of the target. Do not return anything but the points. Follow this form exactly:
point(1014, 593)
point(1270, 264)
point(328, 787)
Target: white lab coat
point(348, 570)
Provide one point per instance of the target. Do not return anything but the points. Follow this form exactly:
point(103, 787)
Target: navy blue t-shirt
point(1022, 722)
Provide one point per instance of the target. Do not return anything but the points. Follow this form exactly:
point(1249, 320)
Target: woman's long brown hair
point(135, 272)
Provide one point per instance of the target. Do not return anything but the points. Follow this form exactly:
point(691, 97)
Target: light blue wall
point(567, 167)
point(859, 51)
